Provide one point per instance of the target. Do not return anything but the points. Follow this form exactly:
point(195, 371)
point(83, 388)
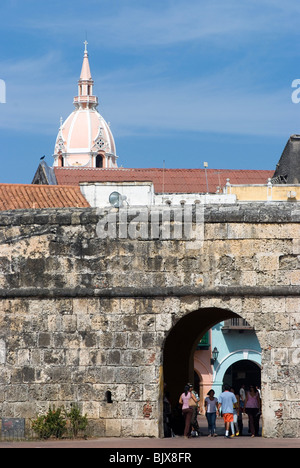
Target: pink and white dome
point(85, 139)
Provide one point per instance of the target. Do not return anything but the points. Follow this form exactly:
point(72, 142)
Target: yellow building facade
point(267, 192)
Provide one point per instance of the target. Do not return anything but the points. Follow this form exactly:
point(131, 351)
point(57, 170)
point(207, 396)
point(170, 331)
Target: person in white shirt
point(210, 405)
point(242, 398)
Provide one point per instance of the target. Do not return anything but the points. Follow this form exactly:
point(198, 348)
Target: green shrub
point(58, 422)
point(52, 424)
point(76, 421)
point(40, 427)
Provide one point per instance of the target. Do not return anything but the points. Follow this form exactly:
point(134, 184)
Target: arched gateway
point(84, 315)
point(181, 343)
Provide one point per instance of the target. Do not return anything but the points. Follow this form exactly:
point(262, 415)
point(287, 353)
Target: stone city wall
point(82, 315)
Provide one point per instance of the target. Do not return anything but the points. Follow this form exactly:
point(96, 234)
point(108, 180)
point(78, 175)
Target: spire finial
point(85, 45)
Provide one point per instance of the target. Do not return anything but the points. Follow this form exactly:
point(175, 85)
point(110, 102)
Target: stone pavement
point(161, 444)
point(175, 443)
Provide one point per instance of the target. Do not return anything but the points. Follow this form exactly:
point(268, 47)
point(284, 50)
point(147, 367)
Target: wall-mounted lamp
point(215, 354)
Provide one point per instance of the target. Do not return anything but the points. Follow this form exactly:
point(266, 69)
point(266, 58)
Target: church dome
point(85, 138)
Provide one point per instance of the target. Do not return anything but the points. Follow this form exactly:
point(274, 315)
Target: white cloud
point(137, 97)
point(37, 96)
point(34, 94)
point(167, 23)
point(188, 108)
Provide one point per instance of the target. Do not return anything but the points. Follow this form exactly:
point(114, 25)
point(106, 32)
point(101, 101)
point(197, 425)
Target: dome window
point(99, 161)
point(60, 161)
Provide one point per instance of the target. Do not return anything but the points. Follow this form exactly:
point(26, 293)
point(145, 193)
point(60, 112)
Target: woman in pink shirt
point(252, 405)
point(187, 410)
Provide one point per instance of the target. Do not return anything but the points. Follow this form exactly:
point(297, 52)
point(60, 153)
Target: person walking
point(186, 399)
point(194, 405)
point(226, 402)
point(242, 398)
point(236, 409)
point(211, 406)
point(252, 406)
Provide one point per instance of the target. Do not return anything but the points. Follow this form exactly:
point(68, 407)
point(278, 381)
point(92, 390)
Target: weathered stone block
point(82, 316)
point(113, 428)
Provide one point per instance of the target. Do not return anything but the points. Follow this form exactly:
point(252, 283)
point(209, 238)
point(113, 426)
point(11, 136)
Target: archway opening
point(179, 350)
point(180, 344)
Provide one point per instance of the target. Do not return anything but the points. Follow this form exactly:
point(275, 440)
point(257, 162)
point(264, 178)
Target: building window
point(108, 397)
point(99, 161)
point(204, 343)
point(60, 161)
point(236, 323)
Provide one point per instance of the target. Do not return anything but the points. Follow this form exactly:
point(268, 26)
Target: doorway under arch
point(243, 372)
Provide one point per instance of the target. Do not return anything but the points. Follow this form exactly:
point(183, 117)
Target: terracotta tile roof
point(165, 181)
point(14, 197)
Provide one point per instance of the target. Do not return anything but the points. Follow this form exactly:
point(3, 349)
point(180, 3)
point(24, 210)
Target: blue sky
point(181, 81)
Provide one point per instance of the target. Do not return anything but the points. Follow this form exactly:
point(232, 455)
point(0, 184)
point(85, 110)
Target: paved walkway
point(161, 444)
point(174, 443)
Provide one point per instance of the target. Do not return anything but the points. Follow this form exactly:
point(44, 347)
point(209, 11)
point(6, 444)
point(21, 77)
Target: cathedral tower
point(85, 139)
